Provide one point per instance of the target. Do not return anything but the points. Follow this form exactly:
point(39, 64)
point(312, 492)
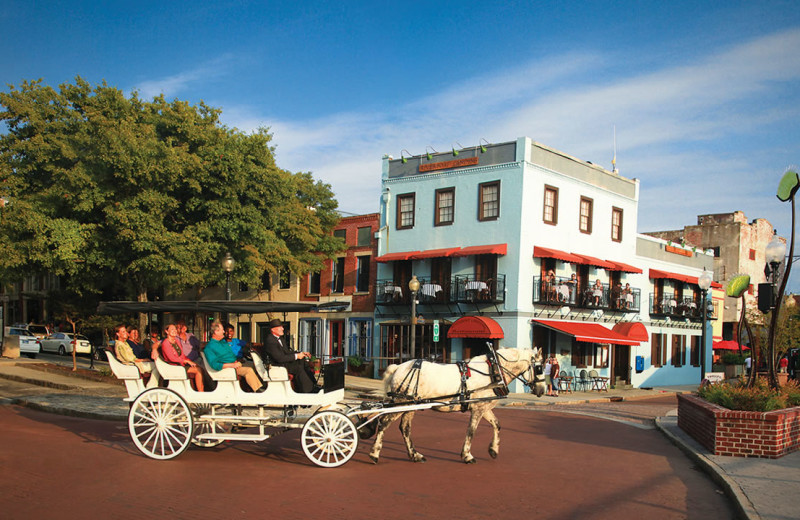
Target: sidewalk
point(759, 488)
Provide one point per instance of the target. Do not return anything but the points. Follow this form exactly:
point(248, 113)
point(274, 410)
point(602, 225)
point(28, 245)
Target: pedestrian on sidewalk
point(548, 377)
point(554, 372)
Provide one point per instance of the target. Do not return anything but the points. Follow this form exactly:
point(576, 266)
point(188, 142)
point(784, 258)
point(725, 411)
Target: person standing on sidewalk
point(548, 377)
point(554, 371)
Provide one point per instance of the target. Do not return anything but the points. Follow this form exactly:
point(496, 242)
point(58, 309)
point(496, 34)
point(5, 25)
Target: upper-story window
point(616, 224)
point(489, 200)
point(405, 211)
point(364, 236)
point(550, 205)
point(445, 206)
point(362, 273)
point(313, 283)
point(337, 281)
point(585, 218)
point(284, 279)
point(340, 233)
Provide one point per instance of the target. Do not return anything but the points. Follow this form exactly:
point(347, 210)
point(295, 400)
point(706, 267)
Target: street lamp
point(704, 281)
point(413, 286)
point(775, 253)
point(228, 263)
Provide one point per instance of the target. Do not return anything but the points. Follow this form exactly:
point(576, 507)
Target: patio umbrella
point(727, 345)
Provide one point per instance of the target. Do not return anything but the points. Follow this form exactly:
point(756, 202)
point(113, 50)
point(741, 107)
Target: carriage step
point(232, 437)
point(241, 418)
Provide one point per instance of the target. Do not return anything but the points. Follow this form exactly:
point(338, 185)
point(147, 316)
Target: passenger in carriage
point(152, 343)
point(238, 347)
point(219, 355)
point(133, 340)
point(173, 354)
point(294, 362)
point(189, 342)
point(125, 353)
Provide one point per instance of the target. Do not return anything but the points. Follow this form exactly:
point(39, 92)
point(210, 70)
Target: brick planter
point(739, 434)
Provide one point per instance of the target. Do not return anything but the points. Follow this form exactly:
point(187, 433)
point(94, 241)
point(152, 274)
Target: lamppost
point(413, 286)
point(775, 253)
point(228, 263)
point(704, 281)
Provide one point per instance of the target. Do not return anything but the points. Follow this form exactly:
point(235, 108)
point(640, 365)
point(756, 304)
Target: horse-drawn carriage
point(167, 415)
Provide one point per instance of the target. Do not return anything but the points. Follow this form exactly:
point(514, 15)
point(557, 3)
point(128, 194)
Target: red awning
point(546, 252)
point(393, 257)
point(625, 268)
point(435, 253)
point(495, 249)
point(588, 332)
point(634, 330)
point(596, 262)
point(656, 273)
point(727, 345)
point(475, 327)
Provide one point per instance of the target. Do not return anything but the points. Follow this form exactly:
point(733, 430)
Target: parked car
point(40, 331)
point(28, 343)
point(62, 343)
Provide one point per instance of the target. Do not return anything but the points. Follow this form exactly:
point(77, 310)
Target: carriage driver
point(219, 355)
point(294, 362)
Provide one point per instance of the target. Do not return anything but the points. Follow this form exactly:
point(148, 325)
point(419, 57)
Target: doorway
point(336, 338)
point(621, 371)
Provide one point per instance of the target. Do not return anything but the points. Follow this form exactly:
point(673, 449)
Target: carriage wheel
point(329, 439)
point(202, 426)
point(160, 423)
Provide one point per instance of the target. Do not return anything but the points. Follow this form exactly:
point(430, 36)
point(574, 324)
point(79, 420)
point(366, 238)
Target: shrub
point(730, 358)
point(759, 398)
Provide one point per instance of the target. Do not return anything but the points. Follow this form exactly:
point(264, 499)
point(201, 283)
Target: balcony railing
point(564, 291)
point(460, 289)
point(672, 307)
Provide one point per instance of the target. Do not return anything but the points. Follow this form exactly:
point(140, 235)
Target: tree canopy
point(119, 195)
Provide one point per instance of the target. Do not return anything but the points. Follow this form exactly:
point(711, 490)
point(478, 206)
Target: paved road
point(551, 465)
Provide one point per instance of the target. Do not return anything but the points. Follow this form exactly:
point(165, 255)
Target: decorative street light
point(775, 253)
point(413, 286)
point(704, 281)
point(228, 263)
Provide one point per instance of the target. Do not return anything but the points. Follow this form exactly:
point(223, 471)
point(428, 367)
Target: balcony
point(459, 289)
point(672, 307)
point(563, 292)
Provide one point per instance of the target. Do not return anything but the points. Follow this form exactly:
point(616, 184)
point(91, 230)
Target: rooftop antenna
point(614, 160)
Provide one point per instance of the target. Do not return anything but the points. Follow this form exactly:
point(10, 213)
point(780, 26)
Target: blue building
point(520, 245)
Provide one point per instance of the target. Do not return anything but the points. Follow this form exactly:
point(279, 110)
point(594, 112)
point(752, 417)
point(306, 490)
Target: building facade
point(517, 244)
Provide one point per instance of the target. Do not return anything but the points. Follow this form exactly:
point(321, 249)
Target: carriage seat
point(226, 374)
point(130, 375)
point(171, 372)
point(268, 372)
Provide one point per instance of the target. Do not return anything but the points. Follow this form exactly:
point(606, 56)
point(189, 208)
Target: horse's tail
point(388, 375)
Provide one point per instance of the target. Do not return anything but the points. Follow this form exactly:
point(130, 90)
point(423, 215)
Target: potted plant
point(734, 364)
point(355, 364)
point(316, 364)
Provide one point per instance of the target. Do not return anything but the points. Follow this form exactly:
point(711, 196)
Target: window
point(405, 211)
point(616, 224)
point(678, 350)
point(362, 273)
point(581, 353)
point(313, 283)
point(445, 207)
point(364, 236)
point(489, 200)
point(340, 233)
point(694, 355)
point(658, 349)
point(266, 281)
point(601, 356)
point(716, 251)
point(550, 205)
point(585, 218)
point(285, 279)
point(243, 287)
point(337, 283)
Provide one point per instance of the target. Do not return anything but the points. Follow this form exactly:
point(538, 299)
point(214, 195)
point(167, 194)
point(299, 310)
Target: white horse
point(432, 381)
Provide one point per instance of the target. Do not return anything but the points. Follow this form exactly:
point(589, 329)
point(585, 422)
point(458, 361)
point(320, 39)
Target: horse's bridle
point(533, 372)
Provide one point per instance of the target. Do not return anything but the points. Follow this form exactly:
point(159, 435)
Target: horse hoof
point(373, 459)
point(493, 454)
point(470, 461)
point(419, 458)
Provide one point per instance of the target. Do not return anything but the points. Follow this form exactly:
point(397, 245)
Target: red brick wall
point(739, 434)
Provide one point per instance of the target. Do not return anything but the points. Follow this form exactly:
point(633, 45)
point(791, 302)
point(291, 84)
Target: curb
point(743, 505)
point(40, 382)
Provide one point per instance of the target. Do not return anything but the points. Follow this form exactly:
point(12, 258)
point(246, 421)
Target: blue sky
point(703, 94)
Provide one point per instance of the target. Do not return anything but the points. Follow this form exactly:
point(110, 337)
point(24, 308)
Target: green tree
point(121, 196)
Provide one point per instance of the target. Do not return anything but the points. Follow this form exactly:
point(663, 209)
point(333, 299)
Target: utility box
point(639, 364)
